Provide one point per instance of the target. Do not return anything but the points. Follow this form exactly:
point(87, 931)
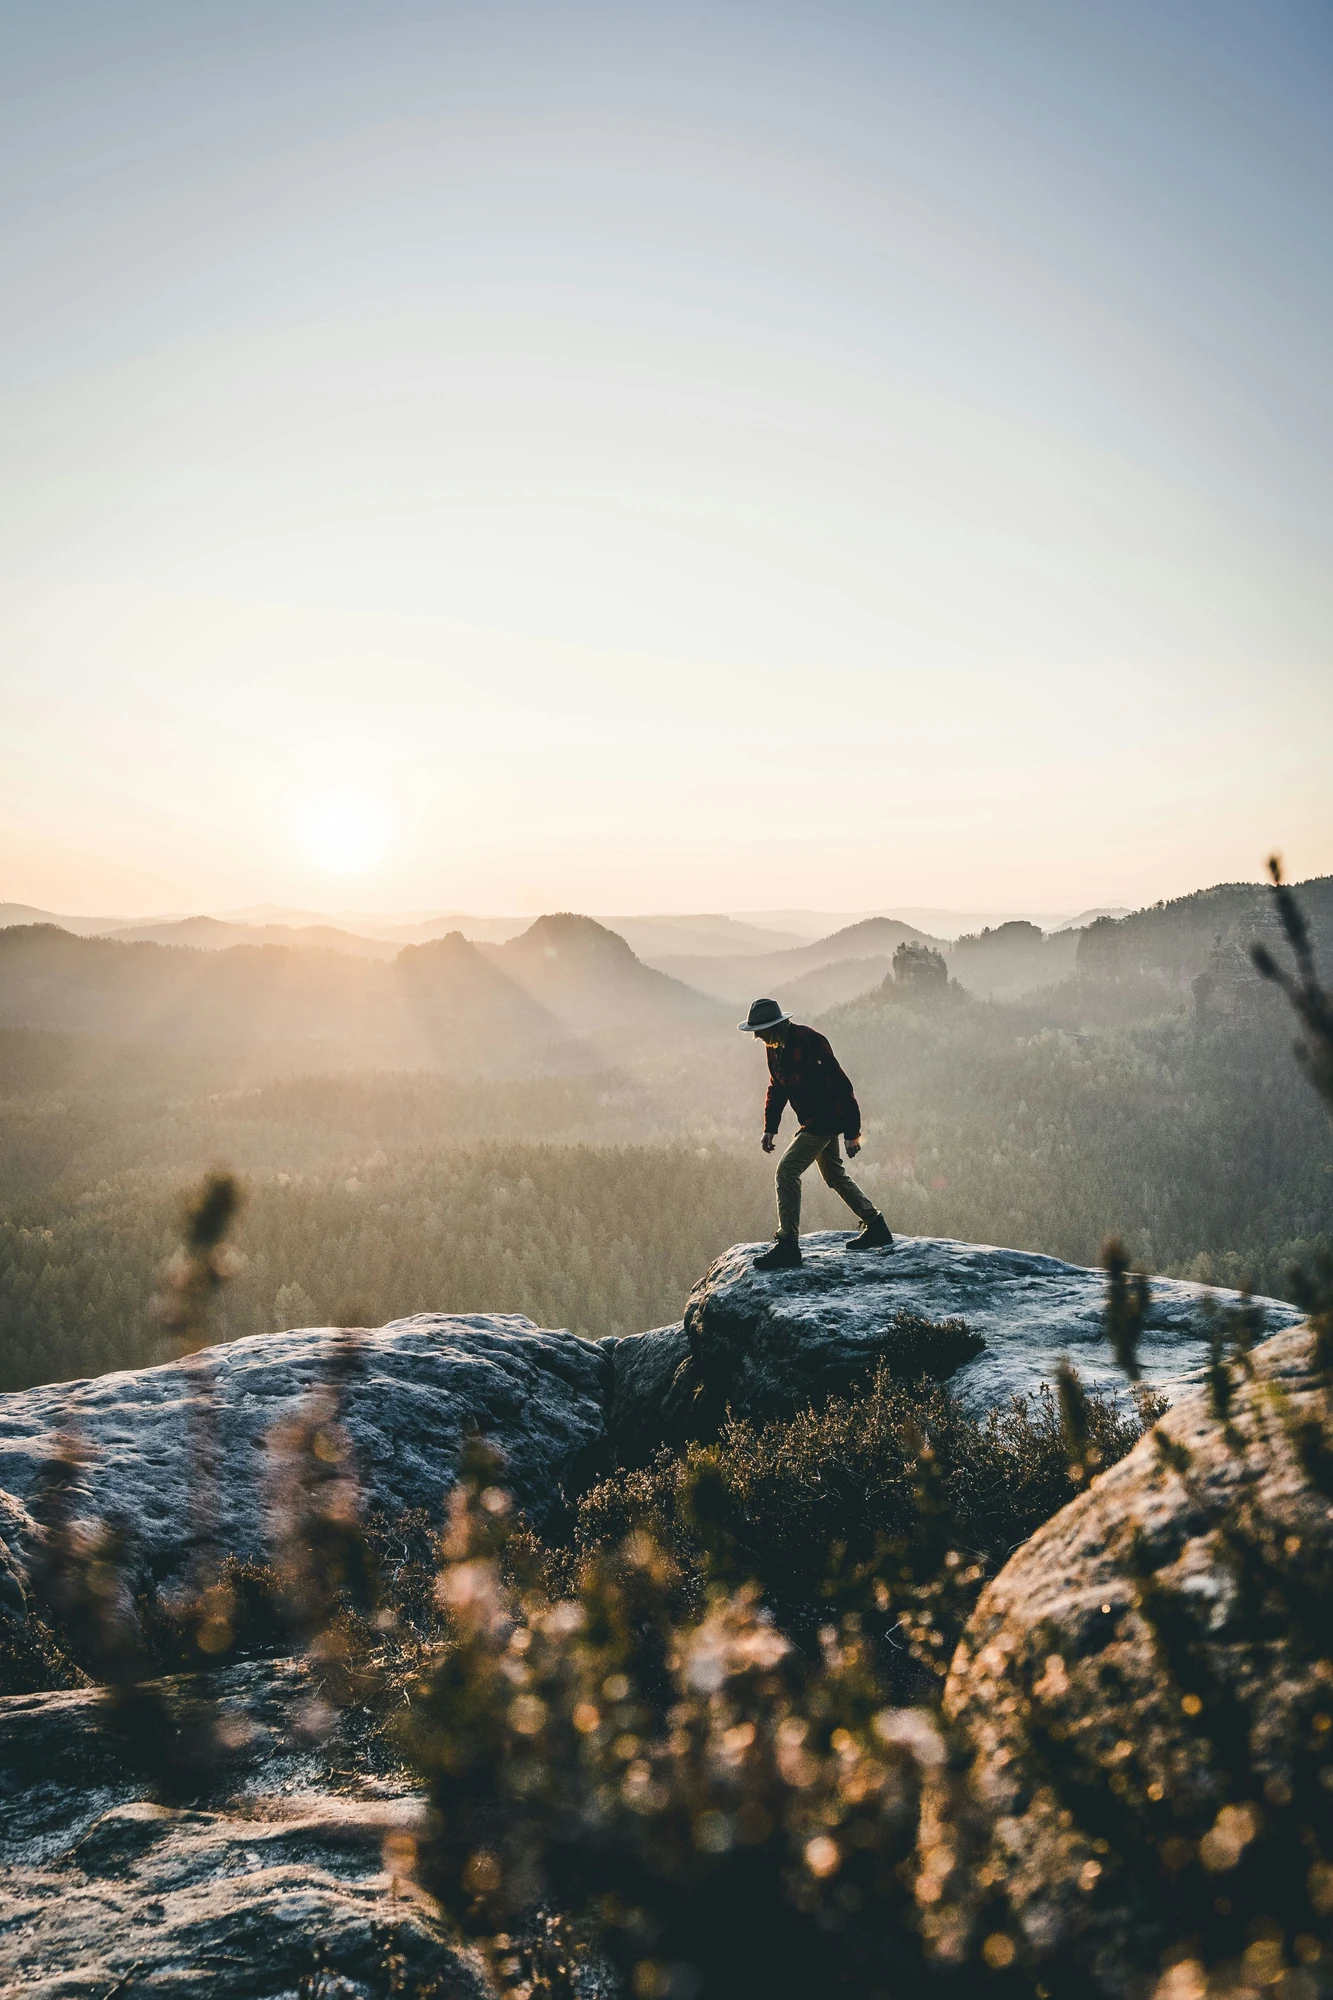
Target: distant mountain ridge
point(213, 934)
point(738, 980)
point(591, 980)
point(26, 913)
point(566, 989)
point(933, 921)
point(273, 923)
point(702, 936)
point(1194, 949)
point(566, 994)
point(1013, 959)
point(270, 1009)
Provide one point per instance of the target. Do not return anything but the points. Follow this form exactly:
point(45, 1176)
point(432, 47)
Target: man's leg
point(804, 1148)
point(837, 1177)
point(875, 1231)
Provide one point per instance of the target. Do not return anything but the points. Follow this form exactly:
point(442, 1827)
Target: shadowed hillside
point(830, 985)
point(455, 999)
point(703, 936)
point(1206, 936)
point(26, 913)
point(1012, 959)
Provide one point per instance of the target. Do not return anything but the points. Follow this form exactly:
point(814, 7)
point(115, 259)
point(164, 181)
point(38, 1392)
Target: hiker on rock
point(803, 1072)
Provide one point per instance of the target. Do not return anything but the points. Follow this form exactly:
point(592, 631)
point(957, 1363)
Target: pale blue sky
point(643, 456)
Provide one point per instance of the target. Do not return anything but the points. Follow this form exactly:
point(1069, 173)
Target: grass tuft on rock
point(914, 1346)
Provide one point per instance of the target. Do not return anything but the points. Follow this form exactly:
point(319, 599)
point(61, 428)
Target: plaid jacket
point(804, 1073)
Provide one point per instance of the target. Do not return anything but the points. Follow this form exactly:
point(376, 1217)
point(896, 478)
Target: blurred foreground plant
point(199, 1269)
point(328, 1586)
point(1312, 1004)
point(82, 1566)
point(723, 1814)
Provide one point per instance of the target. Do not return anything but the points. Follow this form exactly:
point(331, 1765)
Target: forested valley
point(594, 1200)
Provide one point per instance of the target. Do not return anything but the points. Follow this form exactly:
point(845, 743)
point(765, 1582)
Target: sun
point(343, 834)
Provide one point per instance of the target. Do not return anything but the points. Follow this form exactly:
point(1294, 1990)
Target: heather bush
point(862, 1505)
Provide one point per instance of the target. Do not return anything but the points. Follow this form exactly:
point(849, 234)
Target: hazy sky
point(663, 456)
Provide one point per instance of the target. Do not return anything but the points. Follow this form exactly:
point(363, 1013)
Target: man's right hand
point(767, 1142)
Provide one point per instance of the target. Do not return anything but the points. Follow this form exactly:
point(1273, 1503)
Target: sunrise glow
point(342, 835)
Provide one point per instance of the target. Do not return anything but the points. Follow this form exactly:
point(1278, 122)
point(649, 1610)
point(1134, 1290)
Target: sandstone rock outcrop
point(414, 1389)
point(561, 1408)
point(763, 1344)
point(1144, 1693)
point(655, 1392)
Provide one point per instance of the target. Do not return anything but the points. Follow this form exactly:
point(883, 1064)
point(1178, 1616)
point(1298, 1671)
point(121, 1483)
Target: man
point(803, 1072)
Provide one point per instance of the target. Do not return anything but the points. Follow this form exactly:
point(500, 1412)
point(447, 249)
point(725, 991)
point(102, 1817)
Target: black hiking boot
point(875, 1235)
point(784, 1256)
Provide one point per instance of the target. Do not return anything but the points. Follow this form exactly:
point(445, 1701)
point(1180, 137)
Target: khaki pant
point(804, 1150)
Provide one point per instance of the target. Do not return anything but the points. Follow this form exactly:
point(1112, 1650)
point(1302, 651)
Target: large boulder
point(251, 1892)
point(764, 1343)
point(1143, 1700)
point(411, 1392)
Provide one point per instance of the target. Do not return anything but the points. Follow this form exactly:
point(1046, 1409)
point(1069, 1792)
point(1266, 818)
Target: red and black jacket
point(804, 1073)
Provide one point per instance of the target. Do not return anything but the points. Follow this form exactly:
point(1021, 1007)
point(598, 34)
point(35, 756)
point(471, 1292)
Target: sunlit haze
point(344, 834)
point(521, 457)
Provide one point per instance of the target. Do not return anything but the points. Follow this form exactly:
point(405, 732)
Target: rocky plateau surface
point(413, 1388)
point(284, 1870)
point(560, 1408)
point(763, 1344)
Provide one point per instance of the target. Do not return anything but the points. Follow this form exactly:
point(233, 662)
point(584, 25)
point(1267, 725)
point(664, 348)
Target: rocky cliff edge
point(562, 1409)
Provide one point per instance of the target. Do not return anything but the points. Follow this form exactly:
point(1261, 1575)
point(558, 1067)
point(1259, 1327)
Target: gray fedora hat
point(763, 1014)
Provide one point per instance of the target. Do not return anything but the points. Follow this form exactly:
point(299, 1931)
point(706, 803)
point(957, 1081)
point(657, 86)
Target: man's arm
point(775, 1103)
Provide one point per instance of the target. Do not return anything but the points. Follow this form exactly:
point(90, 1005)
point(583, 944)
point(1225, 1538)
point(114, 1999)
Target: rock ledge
point(763, 1344)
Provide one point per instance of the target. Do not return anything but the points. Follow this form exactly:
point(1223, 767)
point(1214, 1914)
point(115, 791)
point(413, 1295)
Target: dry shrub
point(861, 1505)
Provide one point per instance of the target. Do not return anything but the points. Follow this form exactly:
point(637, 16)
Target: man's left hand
point(853, 1147)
